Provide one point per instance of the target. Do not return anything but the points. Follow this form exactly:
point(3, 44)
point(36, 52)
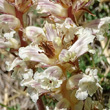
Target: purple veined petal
point(33, 33)
point(46, 6)
point(81, 45)
point(50, 32)
point(36, 85)
point(15, 63)
point(54, 71)
point(78, 4)
point(98, 23)
point(6, 7)
point(30, 53)
point(62, 55)
point(2, 5)
point(9, 20)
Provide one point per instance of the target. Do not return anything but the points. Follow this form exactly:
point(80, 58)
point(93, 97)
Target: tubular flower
point(46, 82)
point(72, 8)
point(8, 40)
point(78, 48)
point(88, 84)
point(98, 27)
point(7, 20)
point(49, 7)
point(49, 43)
point(8, 31)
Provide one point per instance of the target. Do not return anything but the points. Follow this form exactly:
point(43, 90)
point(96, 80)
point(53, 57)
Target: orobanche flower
point(49, 7)
point(45, 47)
point(67, 29)
point(46, 82)
point(78, 48)
point(8, 40)
point(50, 78)
point(33, 53)
point(50, 42)
point(98, 27)
point(7, 20)
point(89, 84)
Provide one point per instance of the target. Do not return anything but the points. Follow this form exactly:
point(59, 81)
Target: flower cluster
point(53, 49)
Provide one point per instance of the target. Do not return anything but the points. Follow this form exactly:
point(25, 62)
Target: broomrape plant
point(55, 48)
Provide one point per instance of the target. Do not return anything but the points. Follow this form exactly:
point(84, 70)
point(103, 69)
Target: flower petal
point(54, 71)
point(50, 32)
point(81, 45)
point(32, 53)
point(10, 20)
point(34, 33)
point(73, 81)
point(81, 95)
point(46, 6)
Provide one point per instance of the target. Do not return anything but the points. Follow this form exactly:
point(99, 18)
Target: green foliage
point(99, 10)
point(68, 74)
point(39, 70)
point(47, 100)
point(16, 107)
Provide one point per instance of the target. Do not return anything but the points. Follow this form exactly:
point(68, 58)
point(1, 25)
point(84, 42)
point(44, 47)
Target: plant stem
point(40, 105)
point(19, 15)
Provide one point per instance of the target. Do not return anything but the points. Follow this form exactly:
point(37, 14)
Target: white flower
point(33, 53)
point(79, 47)
point(27, 77)
point(8, 40)
point(98, 27)
point(16, 62)
point(66, 30)
point(46, 6)
point(50, 78)
point(88, 84)
point(9, 20)
point(34, 33)
point(46, 81)
point(33, 94)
